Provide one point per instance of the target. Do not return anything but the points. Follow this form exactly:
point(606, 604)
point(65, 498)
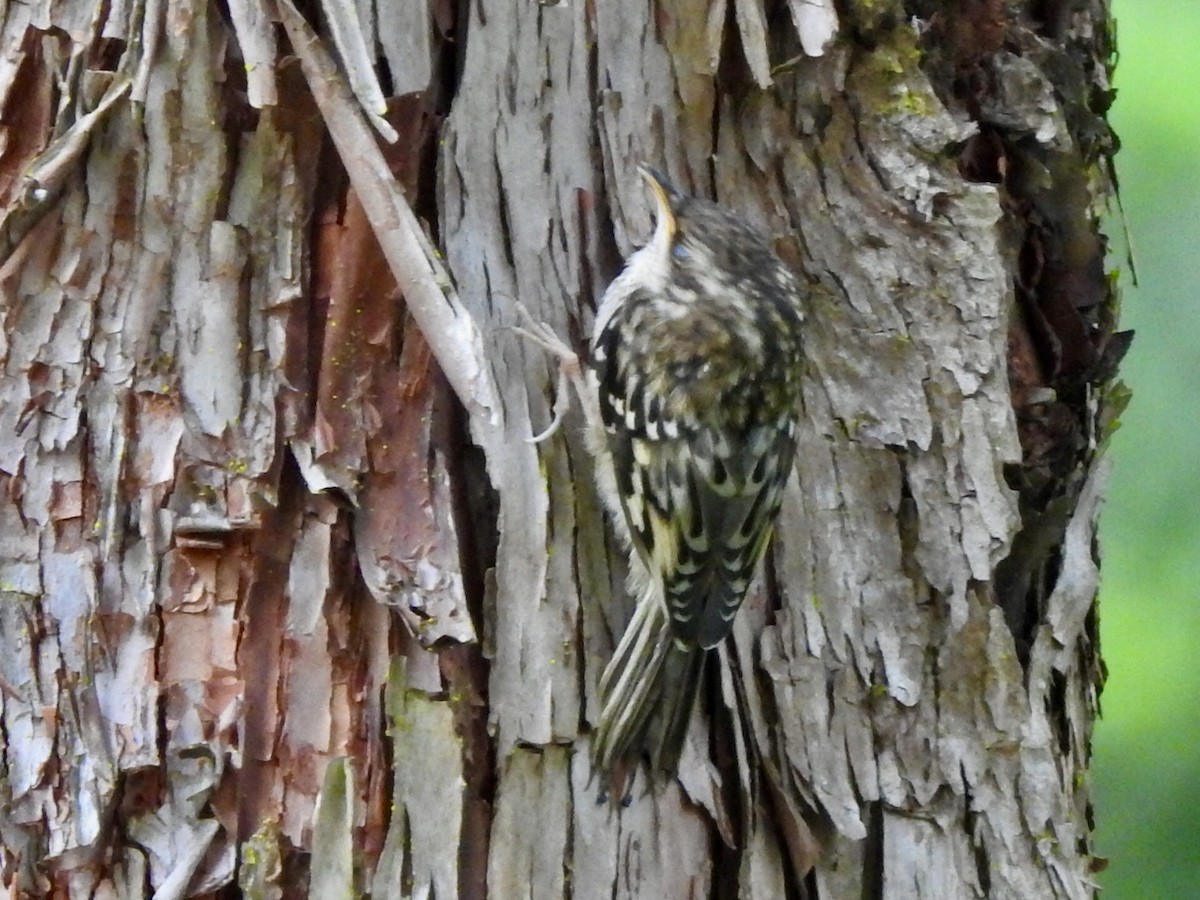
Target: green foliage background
point(1147, 749)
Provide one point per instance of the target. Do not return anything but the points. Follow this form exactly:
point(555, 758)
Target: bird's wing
point(709, 507)
point(700, 503)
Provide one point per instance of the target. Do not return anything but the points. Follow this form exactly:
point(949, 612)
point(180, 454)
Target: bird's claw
point(568, 366)
point(544, 336)
point(562, 402)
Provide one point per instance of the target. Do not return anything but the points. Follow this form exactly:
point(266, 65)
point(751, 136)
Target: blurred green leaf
point(1147, 749)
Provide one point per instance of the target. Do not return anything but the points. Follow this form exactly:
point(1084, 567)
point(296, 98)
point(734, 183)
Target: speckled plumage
point(697, 355)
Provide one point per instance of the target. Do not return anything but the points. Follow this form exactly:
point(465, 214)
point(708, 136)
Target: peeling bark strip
point(428, 292)
point(228, 452)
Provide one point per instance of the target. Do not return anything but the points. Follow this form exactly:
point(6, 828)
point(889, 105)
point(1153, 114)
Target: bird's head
point(700, 246)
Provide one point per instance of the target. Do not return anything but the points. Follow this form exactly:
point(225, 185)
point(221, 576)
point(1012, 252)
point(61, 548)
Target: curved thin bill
point(663, 191)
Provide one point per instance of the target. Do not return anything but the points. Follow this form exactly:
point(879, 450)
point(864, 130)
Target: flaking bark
point(281, 592)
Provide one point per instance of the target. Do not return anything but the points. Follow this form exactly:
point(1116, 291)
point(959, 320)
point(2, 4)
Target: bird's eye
point(680, 252)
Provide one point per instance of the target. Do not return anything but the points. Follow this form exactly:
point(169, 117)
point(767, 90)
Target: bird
point(695, 366)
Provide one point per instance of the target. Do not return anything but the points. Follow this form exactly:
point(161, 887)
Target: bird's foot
point(569, 367)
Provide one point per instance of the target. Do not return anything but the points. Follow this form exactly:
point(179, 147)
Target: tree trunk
point(290, 603)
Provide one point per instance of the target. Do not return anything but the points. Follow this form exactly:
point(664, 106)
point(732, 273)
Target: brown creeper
point(697, 357)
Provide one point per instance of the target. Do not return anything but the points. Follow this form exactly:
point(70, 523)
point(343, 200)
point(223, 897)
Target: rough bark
point(289, 602)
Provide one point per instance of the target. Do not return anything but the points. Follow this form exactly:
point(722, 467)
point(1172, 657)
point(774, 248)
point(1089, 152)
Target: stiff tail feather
point(647, 693)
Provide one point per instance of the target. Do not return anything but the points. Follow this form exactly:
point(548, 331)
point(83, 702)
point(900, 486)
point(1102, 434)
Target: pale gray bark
point(281, 597)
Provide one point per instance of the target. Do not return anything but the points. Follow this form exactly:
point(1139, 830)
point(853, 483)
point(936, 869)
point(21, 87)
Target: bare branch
point(452, 334)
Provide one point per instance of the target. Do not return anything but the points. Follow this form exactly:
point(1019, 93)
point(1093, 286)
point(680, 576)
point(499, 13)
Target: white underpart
point(648, 267)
